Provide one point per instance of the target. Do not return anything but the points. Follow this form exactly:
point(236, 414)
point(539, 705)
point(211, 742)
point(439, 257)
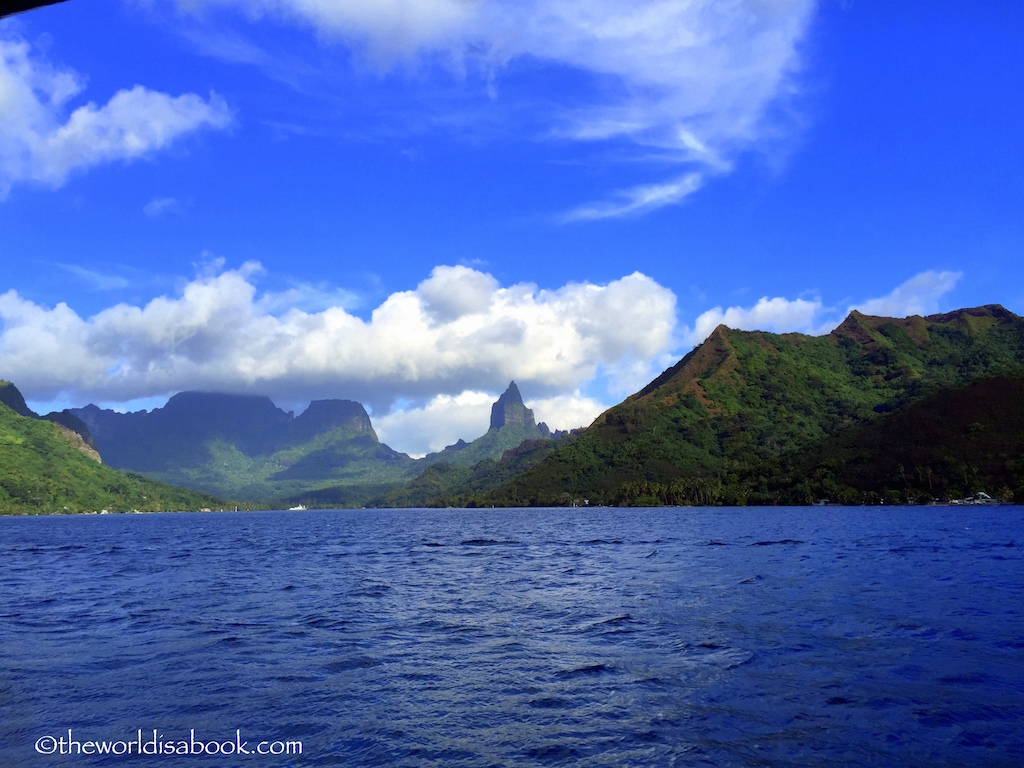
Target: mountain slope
point(46, 468)
point(244, 446)
point(951, 444)
point(744, 400)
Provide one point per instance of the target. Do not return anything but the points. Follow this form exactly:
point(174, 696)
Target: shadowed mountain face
point(48, 468)
point(245, 447)
point(951, 444)
point(736, 411)
point(323, 415)
point(509, 411)
point(11, 396)
point(179, 433)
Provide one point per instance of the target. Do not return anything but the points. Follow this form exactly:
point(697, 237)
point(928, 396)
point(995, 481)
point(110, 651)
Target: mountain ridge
point(744, 417)
point(244, 446)
point(746, 399)
point(46, 468)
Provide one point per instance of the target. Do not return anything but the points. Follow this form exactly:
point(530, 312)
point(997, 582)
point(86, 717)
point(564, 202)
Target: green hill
point(47, 468)
point(447, 485)
point(724, 423)
point(951, 444)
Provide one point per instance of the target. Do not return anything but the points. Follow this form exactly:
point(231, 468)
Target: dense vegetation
point(459, 485)
point(760, 418)
point(45, 468)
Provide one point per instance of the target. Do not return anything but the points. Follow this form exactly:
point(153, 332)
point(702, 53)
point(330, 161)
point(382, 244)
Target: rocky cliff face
point(510, 411)
point(178, 434)
point(78, 442)
point(323, 415)
point(511, 423)
point(11, 396)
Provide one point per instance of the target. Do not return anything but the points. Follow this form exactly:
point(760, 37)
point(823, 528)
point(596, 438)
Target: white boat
point(296, 509)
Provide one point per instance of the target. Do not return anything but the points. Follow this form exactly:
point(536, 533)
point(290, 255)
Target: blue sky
point(411, 202)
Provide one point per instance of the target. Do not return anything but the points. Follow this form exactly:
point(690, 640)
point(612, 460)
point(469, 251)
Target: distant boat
point(296, 509)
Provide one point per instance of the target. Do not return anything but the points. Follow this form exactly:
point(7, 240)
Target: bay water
point(814, 636)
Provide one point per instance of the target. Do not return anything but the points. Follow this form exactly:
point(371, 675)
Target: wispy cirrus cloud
point(639, 200)
point(97, 281)
point(160, 206)
point(41, 141)
point(696, 80)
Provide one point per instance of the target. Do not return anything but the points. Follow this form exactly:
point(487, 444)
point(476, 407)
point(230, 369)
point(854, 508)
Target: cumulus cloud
point(441, 422)
point(446, 418)
point(696, 80)
point(567, 412)
point(778, 315)
point(452, 292)
point(222, 333)
point(919, 295)
point(40, 142)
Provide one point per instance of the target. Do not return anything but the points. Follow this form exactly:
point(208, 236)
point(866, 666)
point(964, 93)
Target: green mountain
point(512, 423)
point(245, 447)
point(735, 419)
point(513, 443)
point(950, 444)
point(48, 468)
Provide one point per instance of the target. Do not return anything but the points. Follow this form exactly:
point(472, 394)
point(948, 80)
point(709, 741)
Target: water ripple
point(524, 637)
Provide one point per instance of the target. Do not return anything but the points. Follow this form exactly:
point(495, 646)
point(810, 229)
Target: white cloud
point(40, 142)
point(96, 280)
point(441, 422)
point(446, 419)
point(158, 206)
point(695, 79)
point(221, 333)
point(387, 30)
point(918, 296)
point(452, 292)
point(777, 315)
point(639, 200)
point(567, 411)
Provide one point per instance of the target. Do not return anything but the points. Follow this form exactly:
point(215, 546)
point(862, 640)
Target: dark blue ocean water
point(619, 637)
